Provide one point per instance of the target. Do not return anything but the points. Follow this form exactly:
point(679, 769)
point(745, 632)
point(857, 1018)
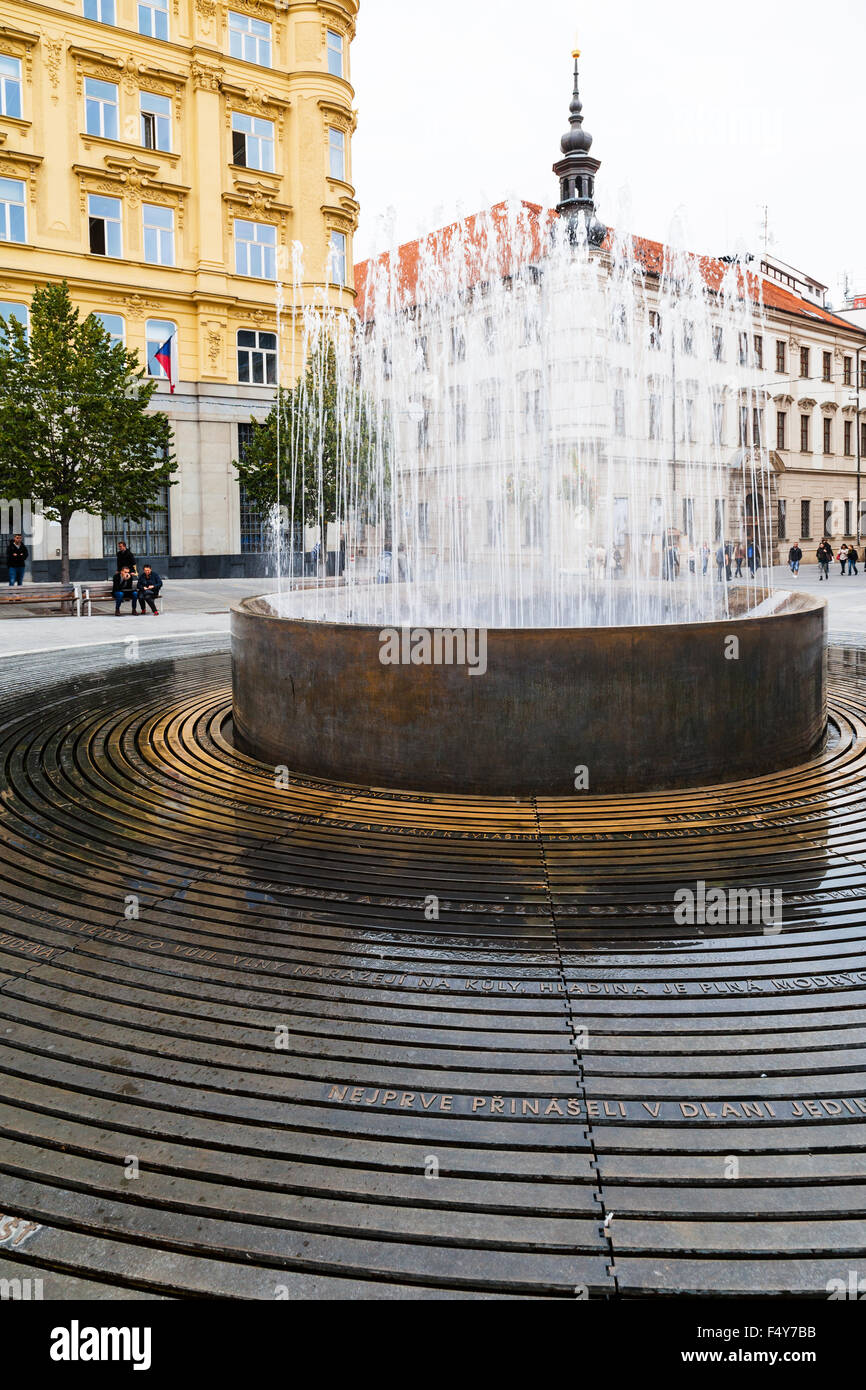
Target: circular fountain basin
point(639, 708)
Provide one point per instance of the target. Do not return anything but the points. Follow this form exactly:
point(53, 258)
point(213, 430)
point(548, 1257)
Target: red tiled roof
point(472, 230)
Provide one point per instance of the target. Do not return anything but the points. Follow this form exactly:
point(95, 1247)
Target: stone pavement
point(198, 607)
point(194, 607)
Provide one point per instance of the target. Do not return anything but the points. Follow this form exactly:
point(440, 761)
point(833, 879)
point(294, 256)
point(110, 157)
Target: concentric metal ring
point(372, 1044)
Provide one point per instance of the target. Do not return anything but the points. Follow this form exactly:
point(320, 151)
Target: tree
point(75, 430)
point(323, 433)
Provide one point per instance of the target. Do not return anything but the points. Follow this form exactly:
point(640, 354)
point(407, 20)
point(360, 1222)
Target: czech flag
point(166, 356)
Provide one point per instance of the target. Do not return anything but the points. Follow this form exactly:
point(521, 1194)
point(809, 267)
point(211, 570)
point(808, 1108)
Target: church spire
point(577, 169)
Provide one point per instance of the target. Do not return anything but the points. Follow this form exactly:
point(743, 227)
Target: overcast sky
point(700, 113)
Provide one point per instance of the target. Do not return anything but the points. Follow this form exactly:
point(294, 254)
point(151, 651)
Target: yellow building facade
point(175, 161)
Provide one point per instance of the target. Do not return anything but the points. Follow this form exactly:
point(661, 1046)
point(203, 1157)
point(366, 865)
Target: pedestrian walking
point(705, 557)
point(720, 563)
point(125, 559)
point(739, 557)
point(750, 556)
point(842, 557)
point(825, 555)
point(16, 559)
point(728, 572)
point(795, 555)
point(852, 559)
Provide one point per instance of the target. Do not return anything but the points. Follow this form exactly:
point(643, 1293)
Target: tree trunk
point(66, 606)
point(64, 549)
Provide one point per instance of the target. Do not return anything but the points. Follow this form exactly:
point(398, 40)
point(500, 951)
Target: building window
point(804, 434)
point(618, 412)
point(863, 375)
point(620, 324)
point(146, 538)
point(804, 363)
point(847, 365)
point(255, 249)
point(828, 519)
point(743, 354)
point(114, 326)
point(490, 335)
point(158, 234)
point(424, 521)
point(159, 335)
point(13, 211)
point(655, 322)
point(153, 18)
point(744, 427)
point(337, 152)
point(100, 108)
point(781, 355)
point(655, 415)
point(338, 269)
point(335, 53)
point(255, 531)
point(10, 86)
point(848, 510)
point(252, 142)
point(13, 311)
point(781, 429)
point(718, 423)
point(827, 366)
point(458, 343)
point(106, 238)
point(688, 338)
point(100, 10)
point(155, 121)
point(849, 438)
point(492, 415)
point(689, 517)
point(759, 350)
point(250, 39)
point(782, 519)
point(458, 405)
point(758, 428)
point(718, 344)
point(863, 441)
point(719, 519)
point(257, 358)
point(805, 520)
point(828, 435)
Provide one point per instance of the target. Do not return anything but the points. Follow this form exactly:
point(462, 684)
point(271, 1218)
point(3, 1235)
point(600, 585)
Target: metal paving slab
point(327, 1041)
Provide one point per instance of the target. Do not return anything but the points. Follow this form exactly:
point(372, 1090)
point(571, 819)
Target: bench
point(99, 593)
point(43, 593)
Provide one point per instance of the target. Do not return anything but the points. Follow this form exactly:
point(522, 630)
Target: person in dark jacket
point(149, 585)
point(825, 555)
point(126, 559)
point(16, 559)
point(795, 555)
point(123, 588)
point(852, 559)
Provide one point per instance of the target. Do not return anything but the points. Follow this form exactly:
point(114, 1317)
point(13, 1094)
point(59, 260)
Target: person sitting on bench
point(149, 585)
point(122, 589)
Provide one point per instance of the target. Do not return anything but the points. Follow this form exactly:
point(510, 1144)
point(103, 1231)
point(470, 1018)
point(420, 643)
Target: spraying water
point(527, 430)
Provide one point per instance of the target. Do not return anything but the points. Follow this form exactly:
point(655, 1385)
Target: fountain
point(543, 437)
